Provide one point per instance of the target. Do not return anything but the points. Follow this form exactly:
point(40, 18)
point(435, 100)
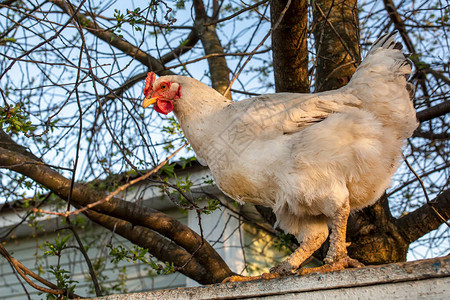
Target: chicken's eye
point(164, 86)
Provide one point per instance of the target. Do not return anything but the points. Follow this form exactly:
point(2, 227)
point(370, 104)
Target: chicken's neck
point(188, 110)
point(199, 117)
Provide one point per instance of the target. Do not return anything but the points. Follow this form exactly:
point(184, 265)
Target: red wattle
point(163, 107)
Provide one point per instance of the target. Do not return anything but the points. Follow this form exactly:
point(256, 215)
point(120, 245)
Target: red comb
point(151, 77)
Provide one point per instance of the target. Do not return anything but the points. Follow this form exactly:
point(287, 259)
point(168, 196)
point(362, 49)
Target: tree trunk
point(336, 33)
point(374, 237)
point(289, 48)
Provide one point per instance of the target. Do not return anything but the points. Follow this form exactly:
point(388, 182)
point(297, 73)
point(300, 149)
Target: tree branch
point(184, 47)
point(434, 111)
point(7, 3)
point(91, 269)
point(438, 75)
point(398, 24)
point(250, 7)
point(127, 211)
point(157, 245)
point(431, 135)
point(7, 142)
point(423, 220)
point(118, 92)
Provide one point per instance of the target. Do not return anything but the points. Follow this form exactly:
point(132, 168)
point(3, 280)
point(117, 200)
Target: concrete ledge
point(410, 280)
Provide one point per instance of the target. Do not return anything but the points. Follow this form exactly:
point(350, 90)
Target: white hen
point(312, 158)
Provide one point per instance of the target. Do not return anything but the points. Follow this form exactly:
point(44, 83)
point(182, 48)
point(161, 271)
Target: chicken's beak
point(149, 101)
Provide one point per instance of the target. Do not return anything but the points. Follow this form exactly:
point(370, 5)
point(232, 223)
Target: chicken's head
point(160, 93)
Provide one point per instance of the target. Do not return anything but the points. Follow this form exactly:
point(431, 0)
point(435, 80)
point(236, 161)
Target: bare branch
point(116, 192)
point(423, 220)
point(184, 47)
point(116, 41)
point(237, 13)
point(431, 135)
point(438, 74)
point(274, 27)
point(434, 111)
point(399, 24)
point(426, 193)
point(157, 245)
point(94, 279)
point(7, 2)
point(137, 215)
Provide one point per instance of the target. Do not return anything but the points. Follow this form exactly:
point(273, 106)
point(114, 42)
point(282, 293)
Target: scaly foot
point(284, 268)
point(340, 264)
point(238, 278)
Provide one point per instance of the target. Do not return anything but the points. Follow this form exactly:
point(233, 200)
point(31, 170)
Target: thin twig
point(217, 55)
point(98, 291)
point(237, 13)
point(425, 192)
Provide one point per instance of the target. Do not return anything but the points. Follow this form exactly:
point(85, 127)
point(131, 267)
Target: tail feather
point(400, 62)
point(386, 41)
point(380, 82)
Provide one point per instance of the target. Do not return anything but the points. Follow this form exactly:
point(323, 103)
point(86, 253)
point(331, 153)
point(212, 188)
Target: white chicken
point(312, 158)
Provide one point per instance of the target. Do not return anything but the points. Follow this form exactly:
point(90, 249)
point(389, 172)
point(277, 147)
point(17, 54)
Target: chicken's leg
point(307, 247)
point(337, 258)
point(313, 231)
point(290, 264)
point(338, 248)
